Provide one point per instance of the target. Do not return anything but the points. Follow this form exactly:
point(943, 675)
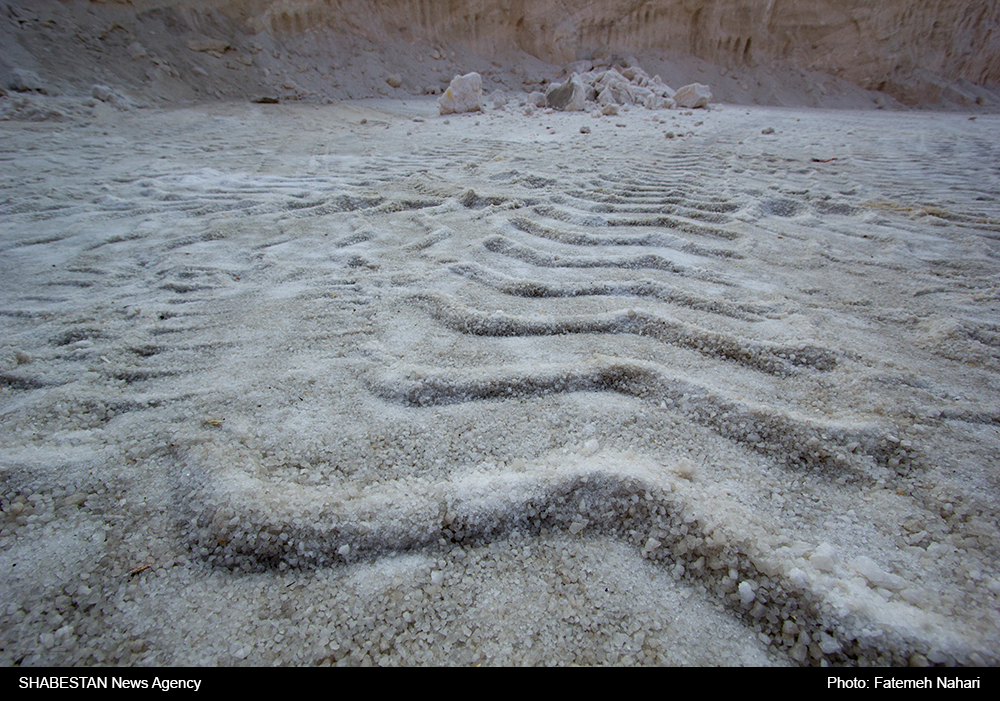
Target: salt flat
point(362, 384)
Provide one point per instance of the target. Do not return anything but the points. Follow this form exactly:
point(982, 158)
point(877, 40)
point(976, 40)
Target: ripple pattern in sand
point(702, 357)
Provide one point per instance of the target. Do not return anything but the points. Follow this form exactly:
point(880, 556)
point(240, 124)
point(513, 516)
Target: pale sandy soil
point(361, 384)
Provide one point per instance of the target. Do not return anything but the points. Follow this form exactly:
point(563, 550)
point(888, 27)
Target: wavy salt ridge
point(638, 288)
point(505, 246)
point(770, 358)
point(247, 523)
point(769, 431)
point(687, 220)
point(649, 239)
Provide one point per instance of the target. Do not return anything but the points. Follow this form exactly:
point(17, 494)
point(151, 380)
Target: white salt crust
point(352, 385)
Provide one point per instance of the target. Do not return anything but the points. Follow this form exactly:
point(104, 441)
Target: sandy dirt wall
point(911, 50)
point(871, 45)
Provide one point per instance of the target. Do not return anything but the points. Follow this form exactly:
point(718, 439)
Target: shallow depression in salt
point(288, 384)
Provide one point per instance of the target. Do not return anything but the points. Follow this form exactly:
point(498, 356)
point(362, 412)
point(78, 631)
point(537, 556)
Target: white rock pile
point(597, 86)
point(610, 87)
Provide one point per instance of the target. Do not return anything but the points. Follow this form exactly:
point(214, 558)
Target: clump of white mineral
point(464, 94)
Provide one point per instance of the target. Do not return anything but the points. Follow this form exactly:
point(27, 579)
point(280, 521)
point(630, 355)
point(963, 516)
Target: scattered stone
point(568, 97)
point(609, 110)
point(111, 97)
point(584, 130)
point(464, 94)
point(23, 80)
point(658, 102)
point(769, 130)
point(693, 96)
point(30, 109)
point(537, 98)
point(498, 99)
point(670, 135)
point(394, 80)
point(266, 100)
point(137, 51)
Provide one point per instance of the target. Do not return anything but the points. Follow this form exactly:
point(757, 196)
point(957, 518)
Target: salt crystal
point(824, 558)
point(828, 644)
point(876, 576)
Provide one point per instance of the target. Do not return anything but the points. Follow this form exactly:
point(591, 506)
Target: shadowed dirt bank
point(826, 54)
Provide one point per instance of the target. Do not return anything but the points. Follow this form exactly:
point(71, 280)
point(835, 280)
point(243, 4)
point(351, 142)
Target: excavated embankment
point(914, 52)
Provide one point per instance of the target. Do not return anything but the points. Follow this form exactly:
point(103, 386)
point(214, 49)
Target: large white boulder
point(464, 94)
point(694, 95)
